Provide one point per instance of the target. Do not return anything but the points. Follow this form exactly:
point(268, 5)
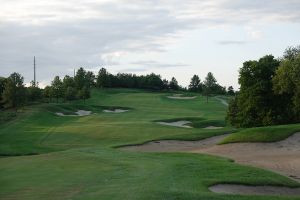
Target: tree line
point(155, 82)
point(269, 91)
point(14, 94)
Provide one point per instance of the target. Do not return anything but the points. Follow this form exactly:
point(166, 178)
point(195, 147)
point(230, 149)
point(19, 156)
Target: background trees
point(48, 93)
point(230, 91)
point(79, 87)
point(287, 81)
point(269, 91)
point(255, 102)
point(83, 82)
point(173, 84)
point(34, 93)
point(14, 93)
point(210, 83)
point(2, 84)
point(57, 88)
point(195, 84)
point(103, 79)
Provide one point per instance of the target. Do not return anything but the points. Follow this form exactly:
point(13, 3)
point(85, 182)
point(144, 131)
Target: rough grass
point(263, 134)
point(6, 116)
point(76, 160)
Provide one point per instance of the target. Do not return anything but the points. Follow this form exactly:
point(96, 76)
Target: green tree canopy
point(14, 94)
point(210, 83)
point(57, 88)
point(195, 84)
point(103, 79)
point(256, 103)
point(173, 84)
point(287, 80)
point(80, 79)
point(230, 91)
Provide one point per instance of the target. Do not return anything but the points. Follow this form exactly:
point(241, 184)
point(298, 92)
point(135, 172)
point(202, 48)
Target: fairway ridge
point(254, 190)
point(175, 145)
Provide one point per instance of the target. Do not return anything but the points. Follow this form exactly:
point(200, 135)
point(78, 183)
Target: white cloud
point(67, 34)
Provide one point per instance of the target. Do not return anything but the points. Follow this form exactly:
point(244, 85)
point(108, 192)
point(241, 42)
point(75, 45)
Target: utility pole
point(34, 78)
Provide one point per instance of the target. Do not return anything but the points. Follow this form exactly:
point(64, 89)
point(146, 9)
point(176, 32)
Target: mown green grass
point(77, 159)
point(263, 134)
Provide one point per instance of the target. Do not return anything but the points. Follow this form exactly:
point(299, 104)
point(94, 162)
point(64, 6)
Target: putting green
point(76, 159)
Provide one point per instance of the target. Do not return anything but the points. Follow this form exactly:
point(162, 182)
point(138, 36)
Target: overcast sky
point(170, 37)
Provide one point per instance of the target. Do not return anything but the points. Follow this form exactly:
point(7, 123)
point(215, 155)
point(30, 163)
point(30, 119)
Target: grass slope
point(76, 159)
point(263, 134)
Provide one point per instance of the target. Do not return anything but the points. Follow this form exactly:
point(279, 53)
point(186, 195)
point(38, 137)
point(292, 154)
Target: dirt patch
point(77, 113)
point(254, 190)
point(182, 124)
point(282, 157)
point(115, 111)
point(180, 96)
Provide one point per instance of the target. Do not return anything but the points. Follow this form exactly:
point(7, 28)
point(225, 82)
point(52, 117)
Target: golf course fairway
point(46, 156)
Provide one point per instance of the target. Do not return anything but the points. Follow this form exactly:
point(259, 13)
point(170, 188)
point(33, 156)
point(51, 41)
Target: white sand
point(181, 124)
point(179, 96)
point(254, 190)
point(213, 127)
point(115, 111)
point(78, 113)
point(222, 101)
point(83, 112)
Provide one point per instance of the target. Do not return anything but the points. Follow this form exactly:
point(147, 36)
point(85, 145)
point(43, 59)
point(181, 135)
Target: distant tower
point(34, 78)
point(74, 73)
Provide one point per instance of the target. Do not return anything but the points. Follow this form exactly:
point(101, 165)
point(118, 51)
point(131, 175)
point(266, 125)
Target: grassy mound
point(263, 134)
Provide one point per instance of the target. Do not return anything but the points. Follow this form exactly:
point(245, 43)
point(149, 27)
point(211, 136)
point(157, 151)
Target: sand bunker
point(77, 113)
point(282, 157)
point(213, 127)
point(182, 124)
point(180, 96)
point(254, 190)
point(222, 101)
point(115, 111)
